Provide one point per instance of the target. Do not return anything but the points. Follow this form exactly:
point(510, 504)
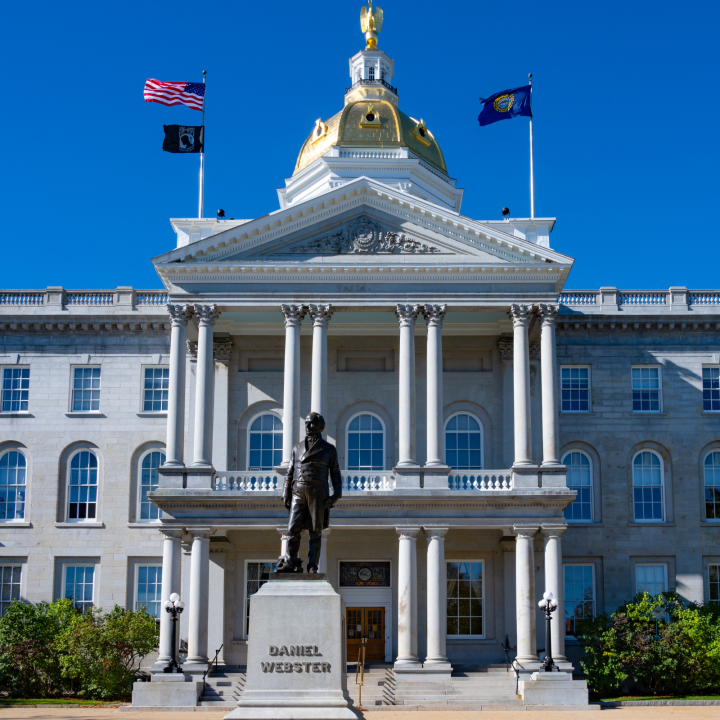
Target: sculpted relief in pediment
point(363, 236)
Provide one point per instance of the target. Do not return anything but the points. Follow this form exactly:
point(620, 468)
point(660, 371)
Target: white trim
point(347, 442)
point(704, 459)
point(94, 566)
point(136, 573)
point(662, 486)
point(664, 565)
point(2, 390)
point(151, 413)
point(591, 565)
point(484, 614)
point(26, 503)
point(21, 564)
point(73, 368)
point(709, 366)
point(138, 493)
point(245, 596)
point(68, 474)
point(592, 485)
point(652, 366)
point(589, 390)
point(276, 413)
point(482, 439)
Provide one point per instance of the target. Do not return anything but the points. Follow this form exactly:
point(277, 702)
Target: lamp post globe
point(174, 606)
point(548, 605)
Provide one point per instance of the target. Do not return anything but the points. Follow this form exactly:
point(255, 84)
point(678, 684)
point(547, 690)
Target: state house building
point(499, 435)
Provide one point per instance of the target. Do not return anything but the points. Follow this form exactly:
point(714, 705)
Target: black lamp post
point(548, 604)
point(174, 606)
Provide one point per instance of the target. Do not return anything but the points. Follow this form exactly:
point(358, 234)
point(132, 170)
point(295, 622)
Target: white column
point(436, 597)
point(407, 597)
point(548, 370)
point(206, 315)
point(525, 594)
point(521, 384)
point(554, 583)
point(320, 315)
point(294, 315)
point(322, 563)
point(434, 315)
point(197, 604)
point(172, 561)
point(179, 314)
point(223, 352)
point(505, 348)
point(407, 314)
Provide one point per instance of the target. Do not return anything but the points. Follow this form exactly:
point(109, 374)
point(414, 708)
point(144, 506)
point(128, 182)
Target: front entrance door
point(366, 622)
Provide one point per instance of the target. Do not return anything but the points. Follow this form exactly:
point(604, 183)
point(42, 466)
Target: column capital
point(320, 314)
point(407, 314)
point(525, 531)
point(201, 533)
point(172, 534)
point(408, 533)
point(549, 530)
point(505, 346)
point(294, 314)
point(179, 314)
point(192, 350)
point(206, 314)
point(548, 313)
point(222, 349)
point(434, 315)
point(520, 314)
point(435, 532)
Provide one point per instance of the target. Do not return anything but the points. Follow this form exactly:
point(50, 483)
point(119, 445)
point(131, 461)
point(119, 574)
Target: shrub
point(655, 645)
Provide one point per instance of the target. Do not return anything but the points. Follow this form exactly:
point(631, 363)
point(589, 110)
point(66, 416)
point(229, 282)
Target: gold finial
point(371, 24)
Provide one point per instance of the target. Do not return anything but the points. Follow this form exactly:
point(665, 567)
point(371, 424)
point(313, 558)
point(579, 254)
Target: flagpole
point(532, 159)
point(201, 200)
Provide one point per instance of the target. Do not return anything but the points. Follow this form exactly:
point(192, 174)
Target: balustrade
point(486, 480)
point(21, 298)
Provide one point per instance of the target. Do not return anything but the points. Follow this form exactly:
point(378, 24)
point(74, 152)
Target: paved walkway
point(635, 713)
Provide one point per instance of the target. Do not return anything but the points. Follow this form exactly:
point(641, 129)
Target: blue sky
point(625, 101)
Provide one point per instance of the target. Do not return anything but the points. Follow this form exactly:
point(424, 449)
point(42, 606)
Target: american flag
point(175, 93)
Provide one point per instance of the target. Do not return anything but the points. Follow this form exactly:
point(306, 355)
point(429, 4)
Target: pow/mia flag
point(183, 138)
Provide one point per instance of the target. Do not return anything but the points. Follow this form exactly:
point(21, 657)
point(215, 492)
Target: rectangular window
point(155, 389)
point(575, 389)
point(15, 389)
point(9, 586)
point(579, 591)
point(651, 578)
point(646, 394)
point(149, 587)
point(78, 585)
point(714, 583)
point(86, 389)
point(711, 389)
point(258, 573)
point(464, 599)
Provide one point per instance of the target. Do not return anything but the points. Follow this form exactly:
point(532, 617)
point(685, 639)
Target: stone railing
point(358, 481)
point(269, 481)
point(58, 298)
point(481, 480)
point(610, 300)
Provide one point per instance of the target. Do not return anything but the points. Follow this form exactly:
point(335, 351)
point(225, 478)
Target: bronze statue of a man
point(313, 465)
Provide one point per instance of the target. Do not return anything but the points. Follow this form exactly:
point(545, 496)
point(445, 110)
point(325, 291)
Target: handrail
point(214, 660)
point(360, 669)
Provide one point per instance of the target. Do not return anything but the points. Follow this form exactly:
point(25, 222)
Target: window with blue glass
point(13, 469)
point(711, 389)
point(366, 443)
point(646, 391)
point(149, 480)
point(575, 389)
point(78, 586)
point(579, 477)
point(258, 573)
point(149, 589)
point(86, 389)
point(265, 442)
point(465, 599)
point(711, 468)
point(463, 442)
point(82, 486)
point(15, 389)
point(579, 595)
point(648, 498)
point(155, 389)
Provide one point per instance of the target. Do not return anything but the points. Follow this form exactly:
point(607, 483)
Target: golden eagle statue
point(371, 21)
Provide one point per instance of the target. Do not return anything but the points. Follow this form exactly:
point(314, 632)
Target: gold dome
point(371, 124)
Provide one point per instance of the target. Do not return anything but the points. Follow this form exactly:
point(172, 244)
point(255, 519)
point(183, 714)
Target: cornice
point(567, 327)
point(81, 327)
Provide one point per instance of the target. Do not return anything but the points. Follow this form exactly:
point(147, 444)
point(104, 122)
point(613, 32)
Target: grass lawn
point(658, 697)
point(8, 702)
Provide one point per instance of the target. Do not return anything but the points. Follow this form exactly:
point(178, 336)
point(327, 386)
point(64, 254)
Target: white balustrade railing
point(481, 480)
point(643, 298)
point(704, 298)
point(21, 298)
point(247, 480)
point(358, 481)
point(578, 298)
point(89, 298)
point(151, 298)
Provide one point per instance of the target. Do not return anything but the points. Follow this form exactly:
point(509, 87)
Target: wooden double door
point(366, 622)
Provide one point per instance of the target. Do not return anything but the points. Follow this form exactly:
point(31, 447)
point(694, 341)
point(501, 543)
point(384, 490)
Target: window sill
point(704, 412)
point(648, 414)
point(471, 641)
point(569, 412)
point(18, 414)
point(148, 525)
point(79, 525)
point(652, 524)
point(7, 524)
point(571, 524)
point(152, 414)
point(91, 414)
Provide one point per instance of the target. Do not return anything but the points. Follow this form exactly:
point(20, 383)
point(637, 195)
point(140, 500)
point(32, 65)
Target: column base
point(418, 673)
point(435, 477)
point(525, 476)
point(172, 476)
point(199, 477)
point(408, 477)
point(553, 475)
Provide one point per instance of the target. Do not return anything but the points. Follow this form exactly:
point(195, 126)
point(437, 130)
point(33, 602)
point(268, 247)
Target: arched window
point(149, 480)
point(712, 486)
point(265, 442)
point(579, 477)
point(648, 496)
point(13, 469)
point(463, 442)
point(365, 443)
point(82, 486)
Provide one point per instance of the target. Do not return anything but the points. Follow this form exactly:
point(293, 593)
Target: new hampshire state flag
point(505, 105)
